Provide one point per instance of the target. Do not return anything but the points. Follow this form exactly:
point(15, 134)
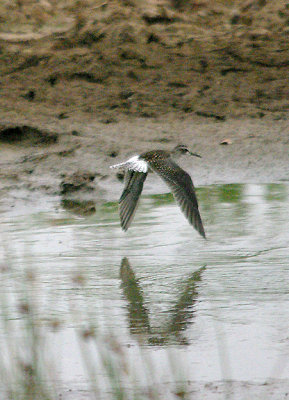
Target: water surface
point(216, 308)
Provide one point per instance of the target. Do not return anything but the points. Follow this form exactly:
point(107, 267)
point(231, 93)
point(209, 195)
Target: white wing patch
point(133, 164)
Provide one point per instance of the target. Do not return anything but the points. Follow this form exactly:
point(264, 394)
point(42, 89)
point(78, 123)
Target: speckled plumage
point(177, 179)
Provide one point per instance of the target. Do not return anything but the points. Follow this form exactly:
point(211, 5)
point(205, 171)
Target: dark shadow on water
point(78, 207)
point(180, 316)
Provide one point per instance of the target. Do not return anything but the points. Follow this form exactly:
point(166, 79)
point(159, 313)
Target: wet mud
point(87, 84)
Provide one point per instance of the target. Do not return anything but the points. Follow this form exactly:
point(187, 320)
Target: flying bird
point(179, 181)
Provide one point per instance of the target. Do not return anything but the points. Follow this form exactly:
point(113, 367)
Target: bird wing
point(181, 185)
point(128, 201)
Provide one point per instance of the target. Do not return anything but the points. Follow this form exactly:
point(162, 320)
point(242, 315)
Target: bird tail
point(134, 164)
point(118, 166)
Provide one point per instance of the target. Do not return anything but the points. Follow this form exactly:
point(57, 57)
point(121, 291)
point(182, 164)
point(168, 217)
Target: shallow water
point(203, 310)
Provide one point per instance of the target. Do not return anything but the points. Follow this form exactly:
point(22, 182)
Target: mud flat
point(72, 157)
point(88, 83)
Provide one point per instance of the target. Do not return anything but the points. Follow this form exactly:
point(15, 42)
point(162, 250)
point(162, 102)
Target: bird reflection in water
point(181, 315)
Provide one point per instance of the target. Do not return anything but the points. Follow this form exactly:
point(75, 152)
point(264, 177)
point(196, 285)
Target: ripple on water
point(237, 304)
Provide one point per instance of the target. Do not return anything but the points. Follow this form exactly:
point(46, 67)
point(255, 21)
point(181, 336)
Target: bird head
point(182, 149)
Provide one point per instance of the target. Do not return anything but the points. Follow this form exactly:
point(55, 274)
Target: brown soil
point(87, 81)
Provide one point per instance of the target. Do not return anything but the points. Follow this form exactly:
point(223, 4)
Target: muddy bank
point(147, 59)
point(72, 159)
point(87, 83)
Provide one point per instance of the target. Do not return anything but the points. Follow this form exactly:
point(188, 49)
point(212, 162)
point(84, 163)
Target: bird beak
point(195, 154)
